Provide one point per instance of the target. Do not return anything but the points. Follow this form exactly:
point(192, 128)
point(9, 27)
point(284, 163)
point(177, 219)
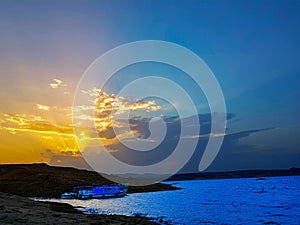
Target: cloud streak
point(57, 83)
point(42, 107)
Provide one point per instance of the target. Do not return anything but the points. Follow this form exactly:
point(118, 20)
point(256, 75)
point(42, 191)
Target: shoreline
point(21, 210)
point(18, 182)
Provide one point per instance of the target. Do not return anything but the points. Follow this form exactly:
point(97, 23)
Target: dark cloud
point(234, 154)
point(250, 149)
point(227, 159)
point(65, 158)
point(166, 147)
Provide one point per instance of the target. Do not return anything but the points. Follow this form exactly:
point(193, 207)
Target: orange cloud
point(42, 107)
point(57, 83)
point(60, 84)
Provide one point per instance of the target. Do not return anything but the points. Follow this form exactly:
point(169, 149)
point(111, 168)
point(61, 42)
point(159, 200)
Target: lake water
point(275, 200)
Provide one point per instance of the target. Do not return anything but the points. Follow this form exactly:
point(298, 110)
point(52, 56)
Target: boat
point(97, 192)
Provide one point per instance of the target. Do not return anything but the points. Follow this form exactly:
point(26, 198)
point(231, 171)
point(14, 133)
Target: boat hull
point(102, 196)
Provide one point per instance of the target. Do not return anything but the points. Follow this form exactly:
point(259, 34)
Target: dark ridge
point(235, 174)
point(42, 180)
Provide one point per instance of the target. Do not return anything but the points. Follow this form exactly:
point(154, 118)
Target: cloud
point(64, 158)
point(248, 149)
point(204, 136)
point(34, 124)
point(42, 107)
point(105, 112)
point(60, 84)
point(253, 149)
point(276, 138)
point(94, 92)
point(19, 120)
point(57, 83)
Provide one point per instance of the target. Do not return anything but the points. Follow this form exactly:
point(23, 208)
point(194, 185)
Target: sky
point(252, 47)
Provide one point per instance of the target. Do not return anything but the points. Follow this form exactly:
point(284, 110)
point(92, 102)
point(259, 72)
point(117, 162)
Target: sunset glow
point(46, 50)
point(47, 133)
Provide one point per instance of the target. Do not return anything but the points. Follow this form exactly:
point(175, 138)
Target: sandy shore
point(21, 210)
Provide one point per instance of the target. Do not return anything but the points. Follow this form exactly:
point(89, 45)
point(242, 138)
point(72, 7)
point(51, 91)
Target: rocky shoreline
point(20, 210)
point(20, 181)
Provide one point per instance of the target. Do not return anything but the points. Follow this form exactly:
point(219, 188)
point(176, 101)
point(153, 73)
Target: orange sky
point(40, 132)
point(30, 130)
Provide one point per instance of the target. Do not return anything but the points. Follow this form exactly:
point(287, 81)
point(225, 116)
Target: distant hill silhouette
point(41, 180)
point(235, 174)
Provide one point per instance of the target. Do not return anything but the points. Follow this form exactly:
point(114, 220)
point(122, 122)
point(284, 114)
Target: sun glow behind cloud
point(104, 113)
point(26, 133)
point(46, 133)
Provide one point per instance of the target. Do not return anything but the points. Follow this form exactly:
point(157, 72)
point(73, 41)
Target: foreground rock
point(21, 210)
point(41, 180)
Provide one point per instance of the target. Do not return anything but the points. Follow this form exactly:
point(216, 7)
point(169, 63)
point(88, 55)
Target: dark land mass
point(235, 174)
point(41, 180)
point(20, 210)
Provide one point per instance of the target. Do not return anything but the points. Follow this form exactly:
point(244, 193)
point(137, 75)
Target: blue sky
point(251, 46)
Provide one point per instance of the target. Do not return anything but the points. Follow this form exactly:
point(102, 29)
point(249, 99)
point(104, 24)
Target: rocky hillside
point(41, 180)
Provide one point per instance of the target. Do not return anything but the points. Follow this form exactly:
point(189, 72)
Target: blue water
point(275, 200)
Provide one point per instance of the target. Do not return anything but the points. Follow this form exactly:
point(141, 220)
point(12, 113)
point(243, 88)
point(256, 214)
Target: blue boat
point(96, 192)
